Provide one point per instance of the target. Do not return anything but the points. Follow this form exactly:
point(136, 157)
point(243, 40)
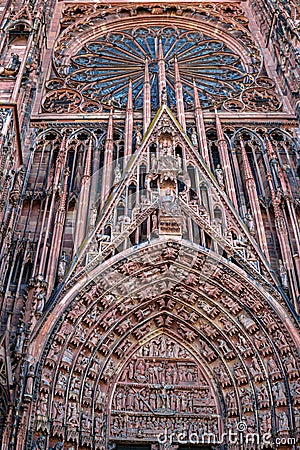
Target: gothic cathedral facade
point(149, 224)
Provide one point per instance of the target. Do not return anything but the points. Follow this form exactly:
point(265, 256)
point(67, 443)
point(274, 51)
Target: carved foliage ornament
point(231, 13)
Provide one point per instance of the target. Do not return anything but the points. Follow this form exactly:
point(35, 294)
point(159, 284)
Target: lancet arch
point(231, 328)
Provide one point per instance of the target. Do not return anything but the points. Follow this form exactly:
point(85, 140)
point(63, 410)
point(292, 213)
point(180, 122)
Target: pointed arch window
point(204, 195)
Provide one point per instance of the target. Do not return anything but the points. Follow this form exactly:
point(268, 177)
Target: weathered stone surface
point(149, 224)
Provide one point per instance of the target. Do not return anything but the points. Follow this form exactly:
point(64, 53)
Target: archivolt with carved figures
point(161, 338)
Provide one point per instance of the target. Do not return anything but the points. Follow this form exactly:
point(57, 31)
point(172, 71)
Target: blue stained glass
point(102, 68)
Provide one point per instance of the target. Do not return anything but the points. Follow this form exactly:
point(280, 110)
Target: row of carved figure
point(260, 340)
point(191, 401)
point(184, 400)
point(143, 425)
point(139, 371)
point(160, 372)
point(138, 425)
point(163, 347)
point(125, 424)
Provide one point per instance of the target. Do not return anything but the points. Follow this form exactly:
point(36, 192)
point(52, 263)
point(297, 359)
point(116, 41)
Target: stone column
point(61, 161)
point(108, 159)
point(224, 156)
point(200, 127)
point(283, 238)
point(128, 126)
point(57, 236)
point(83, 201)
point(161, 71)
point(179, 96)
point(147, 99)
point(254, 202)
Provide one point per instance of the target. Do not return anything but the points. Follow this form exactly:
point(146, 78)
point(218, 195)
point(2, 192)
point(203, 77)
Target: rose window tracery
point(102, 68)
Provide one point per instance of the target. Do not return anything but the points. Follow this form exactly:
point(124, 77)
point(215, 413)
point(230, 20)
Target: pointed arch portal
point(149, 225)
point(161, 340)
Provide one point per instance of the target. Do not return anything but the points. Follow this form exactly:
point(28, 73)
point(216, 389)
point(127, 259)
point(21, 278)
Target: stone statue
point(86, 423)
point(164, 96)
point(20, 337)
point(42, 409)
point(224, 347)
point(153, 163)
point(194, 138)
point(263, 397)
point(58, 412)
point(29, 381)
point(280, 397)
point(249, 221)
point(98, 425)
point(138, 137)
point(78, 178)
point(41, 298)
point(247, 322)
point(178, 162)
point(40, 443)
point(220, 176)
point(154, 221)
point(118, 174)
point(62, 266)
point(73, 415)
point(283, 424)
point(283, 275)
point(266, 423)
point(93, 218)
point(12, 67)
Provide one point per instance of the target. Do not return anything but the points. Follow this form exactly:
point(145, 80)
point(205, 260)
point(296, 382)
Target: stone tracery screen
point(102, 67)
point(95, 76)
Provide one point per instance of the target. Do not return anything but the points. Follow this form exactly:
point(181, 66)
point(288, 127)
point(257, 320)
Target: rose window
point(102, 68)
